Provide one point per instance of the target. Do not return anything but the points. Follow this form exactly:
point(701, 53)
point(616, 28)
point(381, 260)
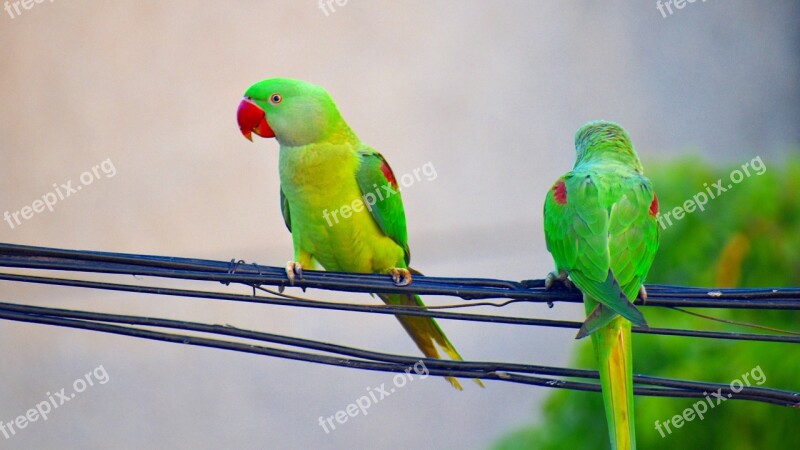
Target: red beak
point(251, 119)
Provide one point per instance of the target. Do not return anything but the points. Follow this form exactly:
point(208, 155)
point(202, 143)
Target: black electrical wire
point(385, 309)
point(467, 288)
point(255, 276)
point(369, 360)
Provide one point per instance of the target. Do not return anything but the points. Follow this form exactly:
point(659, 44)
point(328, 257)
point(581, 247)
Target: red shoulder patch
point(560, 192)
point(654, 205)
point(387, 172)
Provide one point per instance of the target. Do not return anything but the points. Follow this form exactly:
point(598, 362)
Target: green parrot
point(600, 226)
point(339, 197)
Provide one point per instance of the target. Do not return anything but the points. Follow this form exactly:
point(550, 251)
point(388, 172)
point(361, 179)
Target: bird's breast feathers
point(320, 185)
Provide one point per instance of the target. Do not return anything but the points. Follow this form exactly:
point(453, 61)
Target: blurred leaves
point(748, 236)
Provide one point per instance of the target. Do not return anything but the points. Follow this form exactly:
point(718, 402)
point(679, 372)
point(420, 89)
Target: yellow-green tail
point(612, 345)
point(425, 332)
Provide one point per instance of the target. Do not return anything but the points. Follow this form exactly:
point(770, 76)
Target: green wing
point(577, 226)
point(285, 211)
point(633, 233)
point(382, 197)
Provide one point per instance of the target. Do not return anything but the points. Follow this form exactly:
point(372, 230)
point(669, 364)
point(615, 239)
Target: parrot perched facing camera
point(339, 197)
point(600, 226)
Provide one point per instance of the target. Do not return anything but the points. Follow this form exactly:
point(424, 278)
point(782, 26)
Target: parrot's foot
point(293, 269)
point(642, 294)
point(552, 277)
point(400, 277)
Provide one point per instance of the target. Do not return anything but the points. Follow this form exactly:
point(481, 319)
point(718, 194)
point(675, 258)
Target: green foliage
point(748, 236)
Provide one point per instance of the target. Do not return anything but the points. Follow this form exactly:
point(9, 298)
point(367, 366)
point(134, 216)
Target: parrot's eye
point(275, 99)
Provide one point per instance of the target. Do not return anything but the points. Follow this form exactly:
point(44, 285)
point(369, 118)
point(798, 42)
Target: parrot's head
point(601, 139)
point(292, 111)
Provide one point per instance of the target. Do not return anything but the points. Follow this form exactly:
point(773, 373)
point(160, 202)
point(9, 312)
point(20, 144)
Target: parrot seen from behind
point(339, 197)
point(600, 227)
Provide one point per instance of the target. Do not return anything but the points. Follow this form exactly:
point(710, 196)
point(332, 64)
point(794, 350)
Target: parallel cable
point(471, 289)
point(466, 288)
point(377, 361)
point(386, 309)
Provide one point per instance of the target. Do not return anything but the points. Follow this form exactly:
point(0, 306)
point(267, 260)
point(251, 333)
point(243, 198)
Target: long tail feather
point(425, 332)
point(612, 345)
point(600, 317)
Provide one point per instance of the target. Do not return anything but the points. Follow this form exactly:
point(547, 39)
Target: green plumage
point(388, 212)
point(339, 197)
point(600, 226)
